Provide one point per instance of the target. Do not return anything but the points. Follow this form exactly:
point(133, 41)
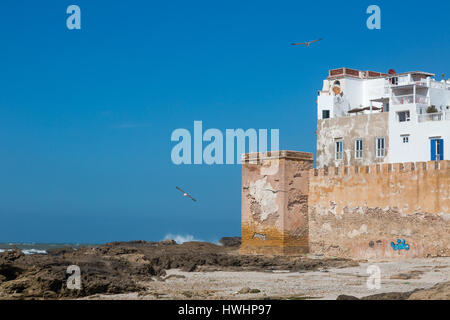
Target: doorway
point(437, 149)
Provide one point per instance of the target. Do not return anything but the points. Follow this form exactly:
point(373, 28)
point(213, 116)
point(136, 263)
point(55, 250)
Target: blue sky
point(86, 115)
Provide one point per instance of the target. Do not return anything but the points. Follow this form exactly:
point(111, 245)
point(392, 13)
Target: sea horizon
point(43, 247)
point(40, 248)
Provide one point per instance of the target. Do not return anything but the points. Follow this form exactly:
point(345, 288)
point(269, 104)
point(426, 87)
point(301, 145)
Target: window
point(359, 149)
point(338, 149)
point(403, 116)
point(380, 147)
point(325, 114)
point(405, 138)
point(438, 149)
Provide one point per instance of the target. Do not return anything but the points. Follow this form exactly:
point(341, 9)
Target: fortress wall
point(358, 211)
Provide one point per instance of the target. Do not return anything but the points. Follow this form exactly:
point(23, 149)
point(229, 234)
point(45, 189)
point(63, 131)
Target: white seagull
point(186, 194)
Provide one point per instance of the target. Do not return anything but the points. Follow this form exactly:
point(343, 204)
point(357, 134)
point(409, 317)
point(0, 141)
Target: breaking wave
point(27, 251)
point(181, 238)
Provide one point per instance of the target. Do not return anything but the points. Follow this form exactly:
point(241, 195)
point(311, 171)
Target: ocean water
point(38, 248)
point(42, 248)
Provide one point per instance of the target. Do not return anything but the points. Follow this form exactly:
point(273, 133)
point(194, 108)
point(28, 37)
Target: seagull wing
point(315, 40)
point(180, 189)
point(297, 44)
point(191, 197)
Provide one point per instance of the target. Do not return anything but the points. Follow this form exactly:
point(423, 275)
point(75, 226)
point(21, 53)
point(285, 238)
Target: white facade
point(418, 106)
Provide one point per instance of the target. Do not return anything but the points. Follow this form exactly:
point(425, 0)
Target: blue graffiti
point(400, 245)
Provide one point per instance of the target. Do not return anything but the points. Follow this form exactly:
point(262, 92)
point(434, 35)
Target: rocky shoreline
point(122, 267)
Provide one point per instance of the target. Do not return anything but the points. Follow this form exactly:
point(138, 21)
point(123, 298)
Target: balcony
point(436, 116)
point(406, 80)
point(409, 99)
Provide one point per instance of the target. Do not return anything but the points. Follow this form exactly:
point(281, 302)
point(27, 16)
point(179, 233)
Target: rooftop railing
point(405, 80)
point(438, 116)
point(440, 85)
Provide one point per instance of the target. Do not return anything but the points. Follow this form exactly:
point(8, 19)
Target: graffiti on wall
point(400, 245)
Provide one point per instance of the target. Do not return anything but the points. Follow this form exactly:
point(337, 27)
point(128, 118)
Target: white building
point(352, 107)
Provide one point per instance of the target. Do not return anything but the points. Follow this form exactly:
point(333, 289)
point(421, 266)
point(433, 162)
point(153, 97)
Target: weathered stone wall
point(367, 127)
point(358, 211)
point(275, 190)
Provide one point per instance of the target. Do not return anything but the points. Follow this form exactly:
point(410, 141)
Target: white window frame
point(338, 154)
point(380, 152)
point(405, 138)
point(359, 148)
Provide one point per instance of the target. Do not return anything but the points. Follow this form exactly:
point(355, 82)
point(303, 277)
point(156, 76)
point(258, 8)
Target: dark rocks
point(346, 297)
point(379, 296)
point(9, 272)
point(167, 242)
point(230, 241)
point(60, 251)
point(11, 255)
point(389, 296)
point(120, 267)
point(384, 296)
point(142, 243)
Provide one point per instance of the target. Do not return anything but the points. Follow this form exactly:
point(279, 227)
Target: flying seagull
point(186, 194)
point(306, 43)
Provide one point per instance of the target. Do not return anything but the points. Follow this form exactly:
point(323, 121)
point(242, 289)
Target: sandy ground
point(323, 284)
